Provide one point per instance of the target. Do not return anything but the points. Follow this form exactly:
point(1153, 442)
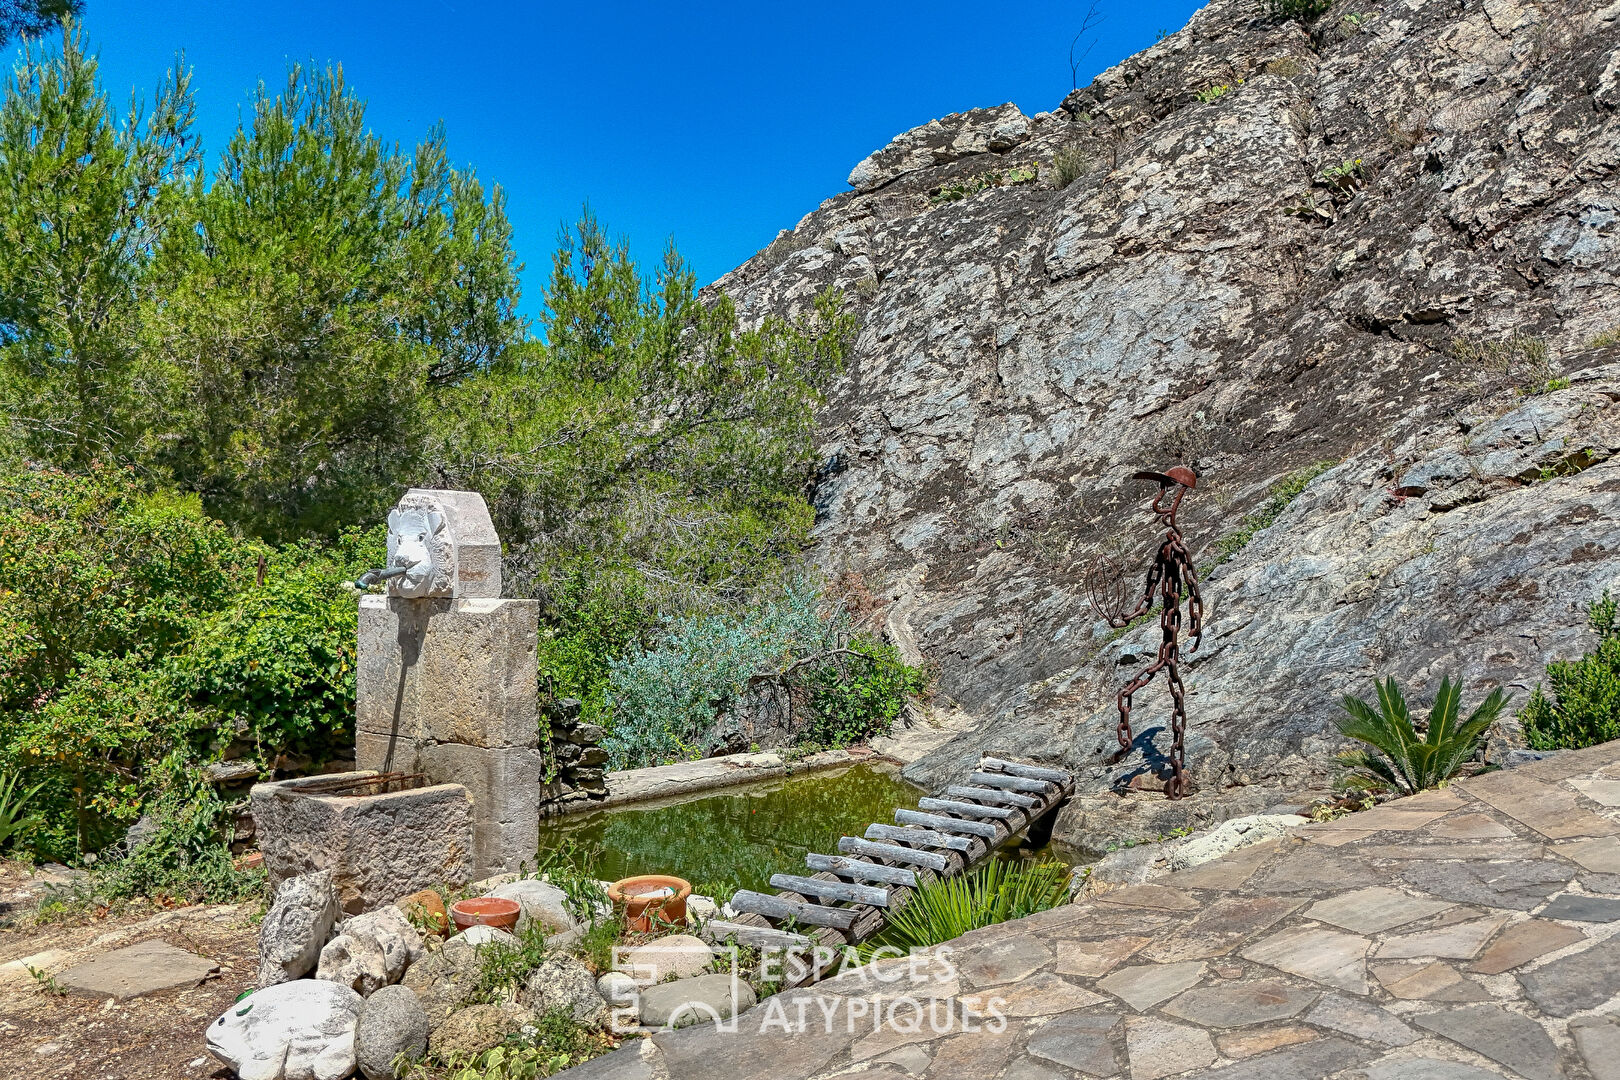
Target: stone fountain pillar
point(447, 683)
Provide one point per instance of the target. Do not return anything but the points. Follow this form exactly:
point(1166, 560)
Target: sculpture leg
point(1178, 784)
point(1123, 731)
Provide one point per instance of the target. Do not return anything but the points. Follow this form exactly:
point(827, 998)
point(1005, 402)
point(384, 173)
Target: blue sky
point(716, 124)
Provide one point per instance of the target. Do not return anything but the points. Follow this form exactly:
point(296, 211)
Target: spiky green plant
point(1581, 704)
point(1401, 759)
point(12, 805)
point(995, 892)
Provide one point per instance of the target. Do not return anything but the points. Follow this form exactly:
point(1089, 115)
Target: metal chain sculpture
point(1173, 577)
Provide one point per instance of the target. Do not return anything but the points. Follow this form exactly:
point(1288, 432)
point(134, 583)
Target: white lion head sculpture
point(441, 543)
point(419, 540)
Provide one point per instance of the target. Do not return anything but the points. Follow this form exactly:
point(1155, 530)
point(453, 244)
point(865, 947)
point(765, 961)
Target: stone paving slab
point(135, 971)
point(1465, 934)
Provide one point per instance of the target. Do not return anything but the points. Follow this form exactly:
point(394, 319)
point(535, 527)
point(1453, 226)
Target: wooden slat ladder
point(847, 896)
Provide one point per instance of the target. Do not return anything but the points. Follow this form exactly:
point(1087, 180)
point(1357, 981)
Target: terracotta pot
point(650, 895)
point(486, 911)
point(426, 906)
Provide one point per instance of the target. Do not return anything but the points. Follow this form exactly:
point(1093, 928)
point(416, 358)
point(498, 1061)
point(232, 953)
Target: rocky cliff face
point(1387, 241)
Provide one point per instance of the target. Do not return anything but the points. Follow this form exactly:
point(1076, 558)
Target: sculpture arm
point(1154, 576)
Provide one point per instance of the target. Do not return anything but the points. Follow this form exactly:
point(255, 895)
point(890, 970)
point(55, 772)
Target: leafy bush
point(665, 699)
point(957, 190)
point(1283, 492)
point(184, 856)
point(503, 969)
point(853, 698)
point(994, 892)
point(1404, 761)
point(1300, 11)
point(1584, 706)
point(557, 1043)
point(135, 630)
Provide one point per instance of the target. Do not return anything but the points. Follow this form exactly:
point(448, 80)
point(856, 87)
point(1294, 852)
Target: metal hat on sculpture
point(440, 544)
point(1171, 576)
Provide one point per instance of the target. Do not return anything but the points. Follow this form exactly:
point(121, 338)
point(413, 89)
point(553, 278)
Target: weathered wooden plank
point(1001, 813)
point(832, 890)
point(861, 871)
point(1029, 772)
point(760, 937)
point(778, 908)
point(925, 837)
point(948, 824)
point(992, 795)
point(854, 845)
point(1010, 783)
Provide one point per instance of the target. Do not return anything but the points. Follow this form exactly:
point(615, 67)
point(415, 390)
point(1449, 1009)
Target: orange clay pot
point(428, 907)
point(643, 898)
point(486, 911)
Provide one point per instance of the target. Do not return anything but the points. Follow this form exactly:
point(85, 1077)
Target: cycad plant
point(995, 892)
point(1405, 761)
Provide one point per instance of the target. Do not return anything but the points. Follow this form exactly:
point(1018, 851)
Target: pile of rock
point(340, 995)
point(580, 761)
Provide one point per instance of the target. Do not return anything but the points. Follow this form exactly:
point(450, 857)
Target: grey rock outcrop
point(392, 1023)
point(1390, 247)
point(960, 135)
point(296, 927)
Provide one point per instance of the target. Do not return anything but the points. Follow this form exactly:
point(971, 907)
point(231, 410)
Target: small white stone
point(479, 934)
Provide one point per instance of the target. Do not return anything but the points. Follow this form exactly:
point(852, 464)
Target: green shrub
point(1070, 163)
point(186, 855)
point(1300, 11)
point(665, 699)
point(1283, 492)
point(135, 630)
point(854, 698)
point(1583, 708)
point(557, 1043)
point(1404, 761)
point(276, 666)
point(503, 969)
point(950, 907)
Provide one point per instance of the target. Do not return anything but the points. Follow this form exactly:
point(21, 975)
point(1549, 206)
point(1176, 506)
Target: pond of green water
point(740, 836)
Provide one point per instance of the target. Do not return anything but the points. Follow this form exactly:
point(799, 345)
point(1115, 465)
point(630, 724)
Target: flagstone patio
point(1460, 934)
